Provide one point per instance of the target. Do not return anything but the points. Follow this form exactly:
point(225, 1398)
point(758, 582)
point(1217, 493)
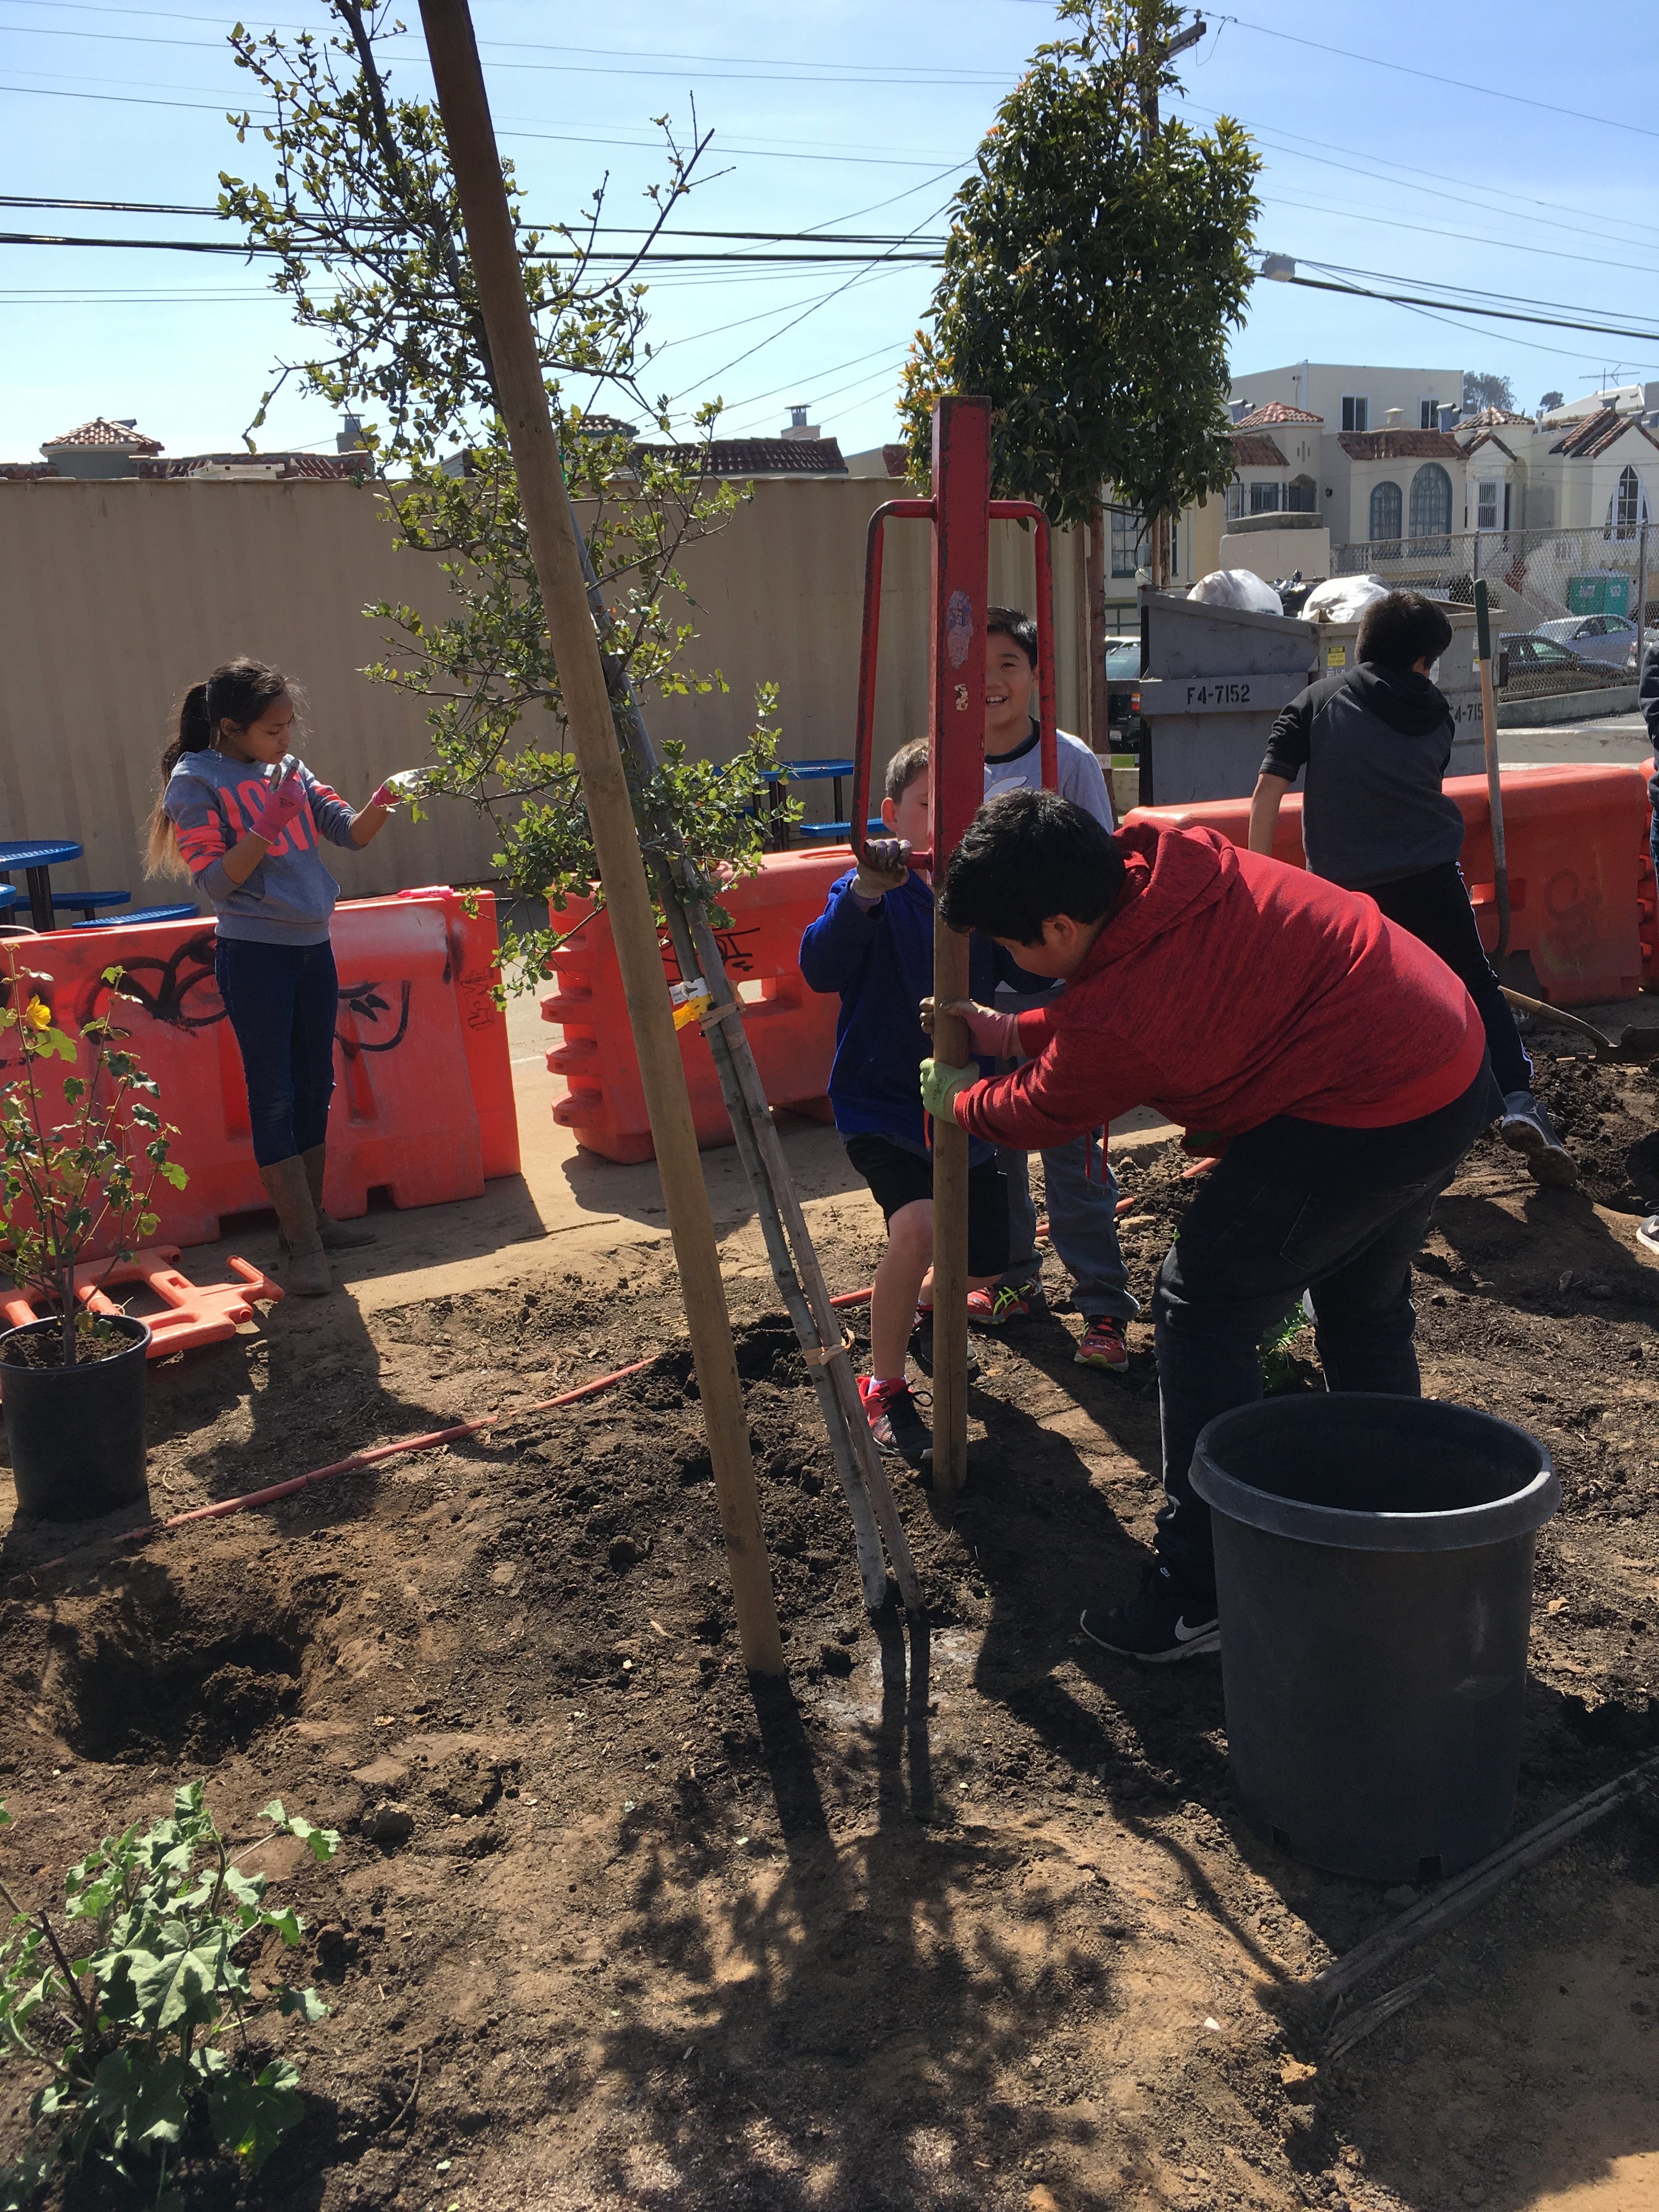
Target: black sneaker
point(1526, 1129)
point(921, 1343)
point(896, 1425)
point(1161, 1622)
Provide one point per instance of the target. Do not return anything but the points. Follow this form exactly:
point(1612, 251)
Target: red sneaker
point(896, 1425)
point(1103, 1346)
point(1003, 1302)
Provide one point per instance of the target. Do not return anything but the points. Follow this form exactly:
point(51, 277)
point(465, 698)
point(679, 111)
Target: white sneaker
point(1648, 1234)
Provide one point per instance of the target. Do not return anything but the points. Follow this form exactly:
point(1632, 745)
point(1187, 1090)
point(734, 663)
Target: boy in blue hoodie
point(874, 944)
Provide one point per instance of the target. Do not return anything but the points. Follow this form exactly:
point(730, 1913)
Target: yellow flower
point(37, 1014)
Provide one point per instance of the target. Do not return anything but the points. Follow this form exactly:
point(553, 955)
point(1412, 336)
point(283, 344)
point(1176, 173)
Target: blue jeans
point(1082, 1195)
point(1292, 1206)
point(282, 1001)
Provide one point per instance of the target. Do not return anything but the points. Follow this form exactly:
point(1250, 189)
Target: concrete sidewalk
point(569, 1210)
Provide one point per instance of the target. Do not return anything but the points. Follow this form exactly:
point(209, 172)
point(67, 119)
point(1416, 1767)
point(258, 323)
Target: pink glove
point(387, 795)
point(994, 1036)
point(277, 808)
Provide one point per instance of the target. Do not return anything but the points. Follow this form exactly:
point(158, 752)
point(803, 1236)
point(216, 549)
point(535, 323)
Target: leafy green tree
point(1095, 263)
point(1488, 392)
point(360, 214)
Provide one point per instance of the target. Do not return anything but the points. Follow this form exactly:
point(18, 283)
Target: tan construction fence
point(114, 597)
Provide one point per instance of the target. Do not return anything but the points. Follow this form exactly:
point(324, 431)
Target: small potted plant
point(72, 1384)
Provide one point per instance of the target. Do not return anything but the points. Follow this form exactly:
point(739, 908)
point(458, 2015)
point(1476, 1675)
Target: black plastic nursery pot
point(1374, 1574)
point(76, 1434)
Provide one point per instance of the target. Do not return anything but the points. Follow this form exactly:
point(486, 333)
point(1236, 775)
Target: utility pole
point(1153, 56)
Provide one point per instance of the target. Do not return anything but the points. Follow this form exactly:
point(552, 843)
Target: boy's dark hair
point(1012, 621)
point(1025, 856)
point(907, 764)
point(1400, 628)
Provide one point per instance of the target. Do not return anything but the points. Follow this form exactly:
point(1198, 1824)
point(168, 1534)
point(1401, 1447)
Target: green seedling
point(136, 2005)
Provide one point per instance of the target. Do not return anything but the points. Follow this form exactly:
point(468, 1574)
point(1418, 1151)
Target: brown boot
point(336, 1236)
point(307, 1273)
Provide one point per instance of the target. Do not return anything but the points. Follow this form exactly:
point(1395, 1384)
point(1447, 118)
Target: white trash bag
point(1236, 587)
point(1343, 598)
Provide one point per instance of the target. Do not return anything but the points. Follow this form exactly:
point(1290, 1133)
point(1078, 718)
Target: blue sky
point(1387, 150)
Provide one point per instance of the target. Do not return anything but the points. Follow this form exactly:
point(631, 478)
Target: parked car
point(1532, 666)
point(1611, 638)
point(1123, 685)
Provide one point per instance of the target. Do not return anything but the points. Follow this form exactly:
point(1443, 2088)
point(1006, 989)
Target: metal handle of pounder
point(923, 510)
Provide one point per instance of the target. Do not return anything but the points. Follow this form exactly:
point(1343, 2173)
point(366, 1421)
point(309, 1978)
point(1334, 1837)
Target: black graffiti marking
point(364, 1001)
point(190, 967)
point(731, 952)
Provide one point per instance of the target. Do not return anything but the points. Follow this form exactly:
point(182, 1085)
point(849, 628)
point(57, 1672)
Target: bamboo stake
point(465, 110)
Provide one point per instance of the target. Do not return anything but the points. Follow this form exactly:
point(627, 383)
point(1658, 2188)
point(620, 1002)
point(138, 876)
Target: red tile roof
point(1591, 438)
point(897, 460)
point(1276, 412)
point(762, 456)
point(1490, 418)
point(100, 432)
point(1256, 450)
point(1400, 446)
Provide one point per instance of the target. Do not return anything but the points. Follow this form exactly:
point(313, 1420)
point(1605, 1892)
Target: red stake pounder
point(961, 510)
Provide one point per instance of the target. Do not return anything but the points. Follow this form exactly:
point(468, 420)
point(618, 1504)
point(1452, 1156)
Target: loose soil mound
point(608, 1931)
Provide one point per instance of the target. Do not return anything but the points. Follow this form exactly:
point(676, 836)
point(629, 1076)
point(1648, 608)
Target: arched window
point(1432, 501)
point(1628, 509)
point(1300, 497)
point(1385, 510)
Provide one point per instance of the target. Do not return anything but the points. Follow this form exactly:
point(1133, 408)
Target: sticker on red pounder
point(958, 628)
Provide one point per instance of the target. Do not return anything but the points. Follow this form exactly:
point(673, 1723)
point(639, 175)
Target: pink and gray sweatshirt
point(288, 898)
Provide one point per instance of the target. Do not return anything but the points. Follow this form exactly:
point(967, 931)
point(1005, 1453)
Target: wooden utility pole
point(1153, 55)
point(534, 443)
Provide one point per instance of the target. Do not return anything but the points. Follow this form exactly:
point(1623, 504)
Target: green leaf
point(177, 1988)
point(140, 2104)
point(249, 2119)
point(306, 2003)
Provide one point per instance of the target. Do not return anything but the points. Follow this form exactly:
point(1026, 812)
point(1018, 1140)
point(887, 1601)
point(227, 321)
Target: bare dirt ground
point(649, 1943)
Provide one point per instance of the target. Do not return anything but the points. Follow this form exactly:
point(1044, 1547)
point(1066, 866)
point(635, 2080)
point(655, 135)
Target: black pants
point(1434, 905)
point(1293, 1206)
point(282, 1000)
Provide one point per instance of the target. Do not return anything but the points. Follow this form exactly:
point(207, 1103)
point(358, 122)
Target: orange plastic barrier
point(423, 1098)
point(1648, 900)
point(792, 1029)
point(198, 1312)
point(1576, 838)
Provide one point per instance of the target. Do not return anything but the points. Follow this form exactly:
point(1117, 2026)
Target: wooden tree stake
point(465, 110)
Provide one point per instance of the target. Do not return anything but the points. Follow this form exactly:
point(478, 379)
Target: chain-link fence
point(1593, 592)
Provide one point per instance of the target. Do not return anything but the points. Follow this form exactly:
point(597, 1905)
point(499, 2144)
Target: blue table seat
point(88, 902)
point(840, 832)
point(142, 914)
point(9, 896)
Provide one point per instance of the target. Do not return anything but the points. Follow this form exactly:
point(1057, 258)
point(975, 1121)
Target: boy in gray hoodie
point(1374, 741)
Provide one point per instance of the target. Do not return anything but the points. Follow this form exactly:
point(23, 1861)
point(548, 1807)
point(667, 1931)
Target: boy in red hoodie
point(1337, 1064)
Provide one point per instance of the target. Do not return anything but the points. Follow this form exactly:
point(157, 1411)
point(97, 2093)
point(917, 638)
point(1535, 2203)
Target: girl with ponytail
point(241, 817)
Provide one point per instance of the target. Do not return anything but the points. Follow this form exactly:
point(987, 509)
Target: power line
point(605, 260)
point(1451, 83)
point(756, 150)
point(1494, 314)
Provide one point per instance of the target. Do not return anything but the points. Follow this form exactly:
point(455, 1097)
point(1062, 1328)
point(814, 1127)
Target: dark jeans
point(1293, 1206)
point(1434, 905)
point(282, 1000)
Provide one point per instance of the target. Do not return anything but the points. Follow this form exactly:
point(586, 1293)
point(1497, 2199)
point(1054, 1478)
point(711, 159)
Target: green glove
point(940, 1083)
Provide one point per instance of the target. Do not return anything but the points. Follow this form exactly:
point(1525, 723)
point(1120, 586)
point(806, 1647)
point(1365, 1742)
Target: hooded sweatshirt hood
point(1406, 701)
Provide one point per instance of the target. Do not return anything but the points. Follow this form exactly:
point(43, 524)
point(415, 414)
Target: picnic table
point(35, 857)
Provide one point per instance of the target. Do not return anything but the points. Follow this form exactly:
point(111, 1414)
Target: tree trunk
point(1100, 727)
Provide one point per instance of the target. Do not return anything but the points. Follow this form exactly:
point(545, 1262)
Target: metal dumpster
point(1216, 679)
